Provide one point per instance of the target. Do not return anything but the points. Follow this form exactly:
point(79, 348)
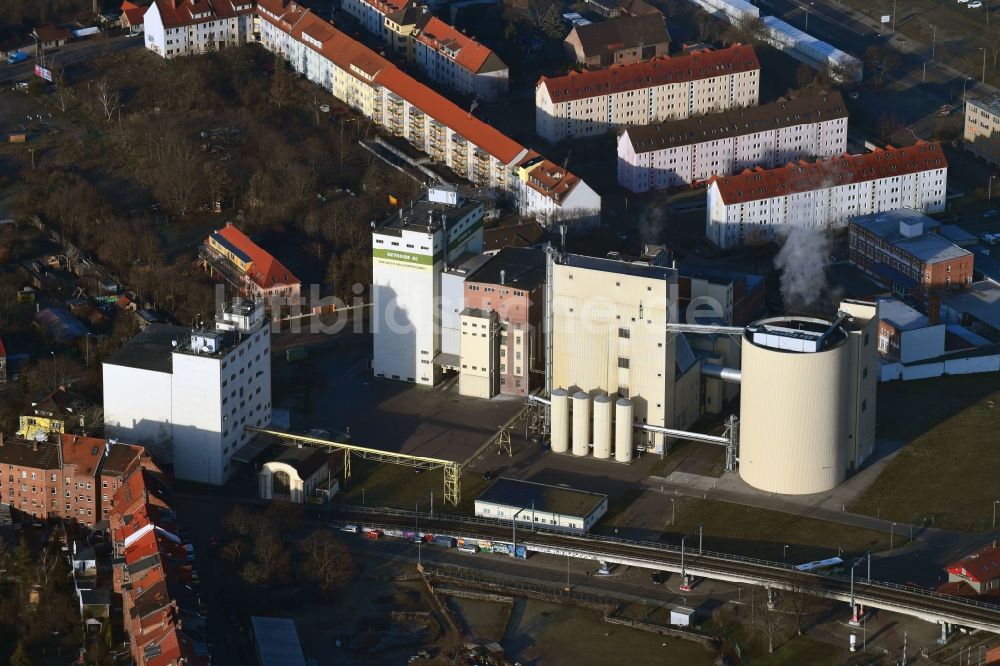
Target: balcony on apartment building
point(220, 266)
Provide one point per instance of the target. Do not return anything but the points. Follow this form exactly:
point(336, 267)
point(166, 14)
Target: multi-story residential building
point(371, 13)
point(982, 128)
point(506, 293)
point(185, 27)
point(410, 253)
point(457, 61)
point(53, 476)
point(680, 152)
point(759, 205)
point(200, 388)
point(63, 410)
point(610, 337)
point(119, 461)
point(551, 194)
point(386, 95)
point(250, 269)
point(581, 104)
point(620, 41)
point(903, 250)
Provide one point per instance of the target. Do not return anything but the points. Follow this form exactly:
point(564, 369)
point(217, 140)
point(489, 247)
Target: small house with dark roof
point(618, 41)
point(50, 36)
point(300, 474)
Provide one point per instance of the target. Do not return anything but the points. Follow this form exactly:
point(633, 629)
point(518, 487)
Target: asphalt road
point(73, 52)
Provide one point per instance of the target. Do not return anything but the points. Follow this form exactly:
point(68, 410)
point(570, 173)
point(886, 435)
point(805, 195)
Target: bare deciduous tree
point(108, 97)
point(766, 621)
point(328, 561)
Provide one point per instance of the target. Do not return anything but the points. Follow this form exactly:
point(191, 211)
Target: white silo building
point(807, 400)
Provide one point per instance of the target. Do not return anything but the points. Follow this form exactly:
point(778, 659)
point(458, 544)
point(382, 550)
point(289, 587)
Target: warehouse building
point(581, 104)
point(821, 377)
point(187, 394)
point(411, 251)
point(680, 152)
point(542, 506)
point(758, 206)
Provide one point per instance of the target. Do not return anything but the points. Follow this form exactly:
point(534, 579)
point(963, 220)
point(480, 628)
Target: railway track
point(918, 602)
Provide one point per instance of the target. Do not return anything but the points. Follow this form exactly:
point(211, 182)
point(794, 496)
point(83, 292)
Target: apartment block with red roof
point(581, 104)
point(185, 27)
point(458, 62)
point(382, 92)
point(251, 270)
point(371, 13)
point(760, 205)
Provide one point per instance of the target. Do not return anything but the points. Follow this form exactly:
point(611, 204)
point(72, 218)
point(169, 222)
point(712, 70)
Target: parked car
point(16, 57)
point(606, 569)
point(351, 529)
point(659, 577)
point(975, 4)
point(488, 475)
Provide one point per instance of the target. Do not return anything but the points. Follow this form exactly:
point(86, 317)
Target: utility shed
point(277, 642)
point(544, 506)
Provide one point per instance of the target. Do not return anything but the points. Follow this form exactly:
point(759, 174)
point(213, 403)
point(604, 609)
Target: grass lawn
point(383, 484)
point(948, 473)
point(794, 651)
point(761, 533)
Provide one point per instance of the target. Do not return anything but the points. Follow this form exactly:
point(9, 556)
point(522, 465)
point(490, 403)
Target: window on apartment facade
point(622, 362)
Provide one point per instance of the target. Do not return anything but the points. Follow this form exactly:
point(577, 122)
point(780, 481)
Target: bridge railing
point(859, 583)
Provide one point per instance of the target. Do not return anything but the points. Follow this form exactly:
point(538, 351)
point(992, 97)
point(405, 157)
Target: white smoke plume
point(651, 224)
point(803, 260)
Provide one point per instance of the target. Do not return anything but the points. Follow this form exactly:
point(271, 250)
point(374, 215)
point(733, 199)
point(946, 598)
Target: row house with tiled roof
point(370, 14)
point(404, 107)
point(153, 570)
point(760, 205)
point(582, 104)
point(184, 27)
point(56, 475)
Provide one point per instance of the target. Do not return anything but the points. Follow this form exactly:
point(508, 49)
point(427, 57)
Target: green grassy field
point(948, 473)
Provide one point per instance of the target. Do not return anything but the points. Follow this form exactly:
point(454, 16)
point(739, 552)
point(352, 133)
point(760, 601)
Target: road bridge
point(946, 610)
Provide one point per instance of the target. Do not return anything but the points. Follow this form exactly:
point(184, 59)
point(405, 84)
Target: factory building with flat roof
point(541, 505)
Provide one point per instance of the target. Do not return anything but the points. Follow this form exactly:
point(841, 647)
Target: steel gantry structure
point(452, 470)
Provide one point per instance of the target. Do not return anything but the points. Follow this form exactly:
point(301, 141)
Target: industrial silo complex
point(807, 402)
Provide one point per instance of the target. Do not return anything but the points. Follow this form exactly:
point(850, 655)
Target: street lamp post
point(806, 7)
point(989, 197)
point(673, 512)
point(363, 502)
point(933, 41)
point(892, 534)
point(995, 502)
point(983, 49)
point(432, 502)
point(684, 587)
point(784, 554)
point(964, 81)
point(894, 15)
point(854, 606)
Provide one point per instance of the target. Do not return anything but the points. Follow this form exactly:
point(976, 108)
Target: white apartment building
point(581, 104)
point(680, 152)
point(371, 13)
point(389, 97)
point(188, 395)
point(757, 206)
point(982, 128)
point(457, 61)
point(609, 336)
point(410, 253)
point(551, 194)
point(185, 27)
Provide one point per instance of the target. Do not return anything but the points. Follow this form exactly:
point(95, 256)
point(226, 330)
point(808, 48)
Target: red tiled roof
point(979, 567)
point(132, 14)
point(84, 452)
point(548, 178)
point(265, 271)
point(387, 6)
point(440, 36)
point(179, 13)
point(659, 71)
point(754, 185)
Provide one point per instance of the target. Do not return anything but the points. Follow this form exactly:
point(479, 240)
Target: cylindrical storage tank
point(581, 424)
point(793, 405)
point(560, 421)
point(602, 427)
point(623, 430)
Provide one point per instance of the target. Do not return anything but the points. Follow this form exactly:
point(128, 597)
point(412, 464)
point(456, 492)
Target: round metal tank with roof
point(602, 427)
point(560, 421)
point(623, 430)
point(581, 423)
point(793, 405)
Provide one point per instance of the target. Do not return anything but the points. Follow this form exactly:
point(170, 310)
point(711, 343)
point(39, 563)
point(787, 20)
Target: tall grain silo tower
point(795, 404)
